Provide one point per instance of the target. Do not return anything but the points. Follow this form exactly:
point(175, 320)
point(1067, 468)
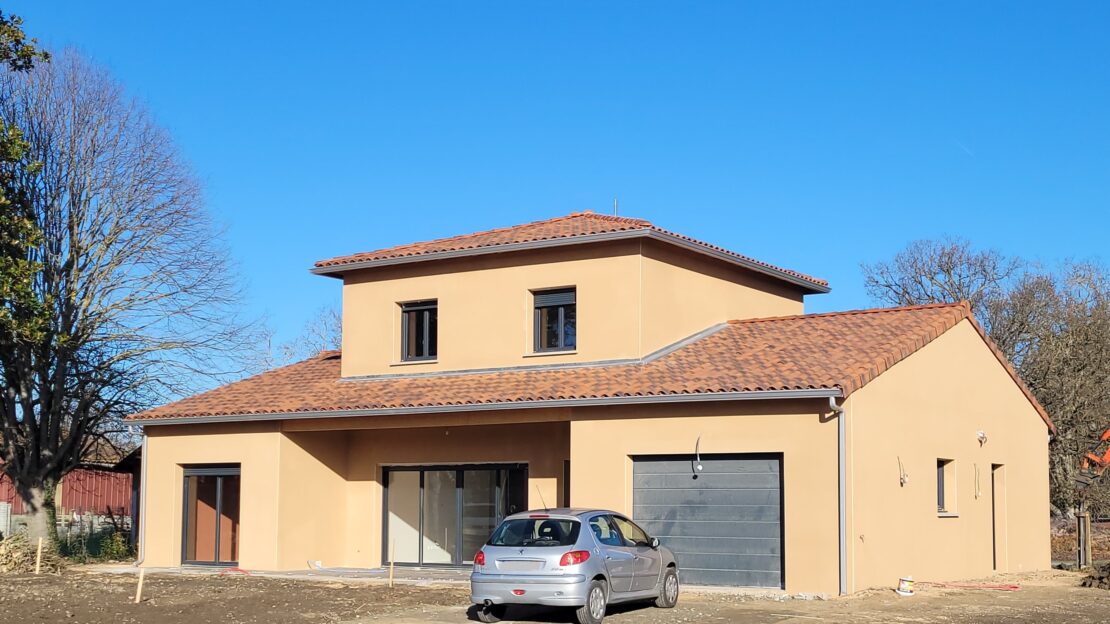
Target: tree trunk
point(40, 504)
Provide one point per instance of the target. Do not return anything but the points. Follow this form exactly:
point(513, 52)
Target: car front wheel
point(596, 600)
point(668, 590)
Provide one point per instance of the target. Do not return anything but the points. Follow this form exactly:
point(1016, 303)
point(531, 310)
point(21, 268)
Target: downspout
point(842, 478)
point(142, 503)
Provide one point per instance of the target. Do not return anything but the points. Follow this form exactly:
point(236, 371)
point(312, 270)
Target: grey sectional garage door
point(724, 523)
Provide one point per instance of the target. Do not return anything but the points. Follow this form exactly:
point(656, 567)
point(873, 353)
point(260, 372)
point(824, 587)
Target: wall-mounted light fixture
point(697, 458)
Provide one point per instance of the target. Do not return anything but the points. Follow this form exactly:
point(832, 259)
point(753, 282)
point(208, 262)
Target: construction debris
point(1099, 578)
point(18, 553)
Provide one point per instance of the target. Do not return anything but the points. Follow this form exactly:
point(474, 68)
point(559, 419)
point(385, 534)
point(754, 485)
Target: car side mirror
point(653, 542)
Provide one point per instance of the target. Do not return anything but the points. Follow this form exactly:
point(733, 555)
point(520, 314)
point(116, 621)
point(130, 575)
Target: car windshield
point(536, 532)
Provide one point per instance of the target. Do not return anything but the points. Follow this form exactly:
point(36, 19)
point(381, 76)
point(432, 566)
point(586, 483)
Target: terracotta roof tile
point(570, 229)
point(841, 351)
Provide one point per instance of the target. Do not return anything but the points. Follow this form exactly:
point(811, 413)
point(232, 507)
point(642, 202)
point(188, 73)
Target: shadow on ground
point(556, 615)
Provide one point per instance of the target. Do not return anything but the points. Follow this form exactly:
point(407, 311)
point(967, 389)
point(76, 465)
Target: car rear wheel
point(597, 598)
point(490, 614)
point(668, 590)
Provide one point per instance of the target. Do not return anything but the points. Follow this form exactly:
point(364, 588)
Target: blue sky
point(814, 135)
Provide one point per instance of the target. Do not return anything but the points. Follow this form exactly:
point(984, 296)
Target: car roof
point(562, 512)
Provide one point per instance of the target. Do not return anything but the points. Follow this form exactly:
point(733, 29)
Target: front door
point(211, 515)
point(442, 515)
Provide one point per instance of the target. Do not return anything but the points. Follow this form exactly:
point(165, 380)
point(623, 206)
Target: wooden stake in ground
point(392, 556)
point(38, 558)
point(139, 589)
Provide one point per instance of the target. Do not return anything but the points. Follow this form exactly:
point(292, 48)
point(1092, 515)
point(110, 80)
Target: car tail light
point(518, 592)
point(574, 557)
point(480, 558)
point(539, 516)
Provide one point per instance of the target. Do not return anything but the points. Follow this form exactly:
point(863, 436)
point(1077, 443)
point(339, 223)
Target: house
point(601, 361)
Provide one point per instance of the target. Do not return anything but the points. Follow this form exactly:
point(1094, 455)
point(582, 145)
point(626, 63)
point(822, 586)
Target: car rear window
point(536, 532)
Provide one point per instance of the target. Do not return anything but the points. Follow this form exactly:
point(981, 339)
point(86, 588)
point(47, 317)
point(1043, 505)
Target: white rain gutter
point(842, 482)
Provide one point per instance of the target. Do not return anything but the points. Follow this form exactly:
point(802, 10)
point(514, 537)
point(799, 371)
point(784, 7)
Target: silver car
point(586, 559)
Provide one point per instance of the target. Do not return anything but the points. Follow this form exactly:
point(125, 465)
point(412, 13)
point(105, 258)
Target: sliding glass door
point(210, 527)
point(441, 515)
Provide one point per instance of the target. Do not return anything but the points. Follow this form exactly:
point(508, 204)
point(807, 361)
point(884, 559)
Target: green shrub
point(108, 544)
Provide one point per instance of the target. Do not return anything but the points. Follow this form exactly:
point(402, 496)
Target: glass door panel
point(200, 510)
point(229, 519)
point(479, 510)
point(440, 516)
point(404, 516)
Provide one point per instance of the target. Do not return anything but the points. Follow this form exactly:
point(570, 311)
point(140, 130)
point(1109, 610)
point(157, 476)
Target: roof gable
point(572, 229)
point(835, 353)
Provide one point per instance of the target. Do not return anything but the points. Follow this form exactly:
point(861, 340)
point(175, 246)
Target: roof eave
point(754, 395)
point(812, 287)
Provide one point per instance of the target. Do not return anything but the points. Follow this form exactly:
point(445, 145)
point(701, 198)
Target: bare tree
point(131, 299)
point(943, 271)
point(1067, 365)
point(1054, 327)
point(323, 332)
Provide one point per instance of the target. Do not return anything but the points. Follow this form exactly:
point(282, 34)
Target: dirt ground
point(79, 597)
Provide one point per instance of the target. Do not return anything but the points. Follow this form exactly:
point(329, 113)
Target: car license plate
point(519, 565)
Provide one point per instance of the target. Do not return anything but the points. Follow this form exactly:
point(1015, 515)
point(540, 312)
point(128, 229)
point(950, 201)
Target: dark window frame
point(942, 494)
point(560, 300)
point(519, 470)
point(425, 309)
point(219, 471)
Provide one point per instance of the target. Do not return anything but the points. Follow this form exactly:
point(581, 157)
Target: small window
point(946, 486)
point(418, 330)
point(556, 320)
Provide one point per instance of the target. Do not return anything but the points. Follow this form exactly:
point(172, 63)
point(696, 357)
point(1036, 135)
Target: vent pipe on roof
point(842, 480)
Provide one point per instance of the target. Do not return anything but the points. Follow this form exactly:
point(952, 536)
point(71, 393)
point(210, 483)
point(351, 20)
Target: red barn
point(91, 488)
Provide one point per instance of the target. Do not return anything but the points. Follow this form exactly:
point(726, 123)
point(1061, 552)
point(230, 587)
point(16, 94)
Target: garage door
point(724, 522)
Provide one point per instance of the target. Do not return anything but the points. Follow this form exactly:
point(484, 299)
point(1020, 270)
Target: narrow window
point(418, 330)
point(946, 486)
point(556, 320)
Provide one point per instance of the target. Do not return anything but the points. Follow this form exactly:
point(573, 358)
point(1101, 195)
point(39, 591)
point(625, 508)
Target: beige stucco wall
point(256, 447)
point(634, 297)
point(313, 500)
point(603, 442)
point(311, 492)
point(485, 308)
point(930, 406)
point(684, 293)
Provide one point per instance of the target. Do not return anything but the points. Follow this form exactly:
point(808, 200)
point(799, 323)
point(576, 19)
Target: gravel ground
point(95, 598)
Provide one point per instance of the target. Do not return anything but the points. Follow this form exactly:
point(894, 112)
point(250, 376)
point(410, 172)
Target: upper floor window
point(418, 330)
point(556, 320)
